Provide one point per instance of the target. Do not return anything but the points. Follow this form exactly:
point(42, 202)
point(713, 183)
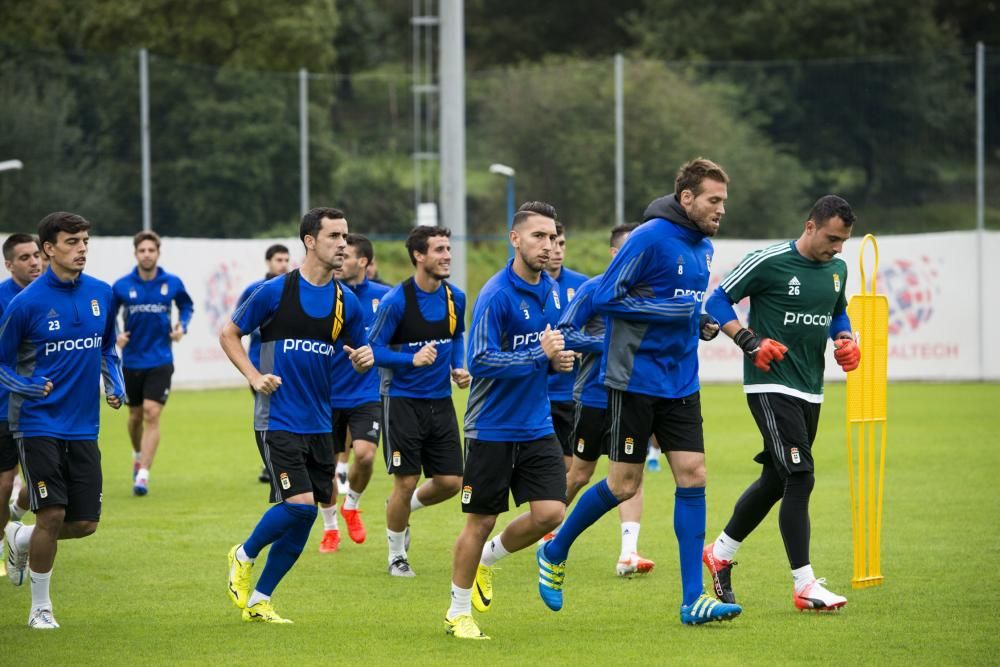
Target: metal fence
point(896, 136)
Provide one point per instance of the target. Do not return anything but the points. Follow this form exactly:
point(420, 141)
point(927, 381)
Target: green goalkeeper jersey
point(793, 300)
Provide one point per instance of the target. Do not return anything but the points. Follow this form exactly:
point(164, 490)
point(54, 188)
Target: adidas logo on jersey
point(793, 286)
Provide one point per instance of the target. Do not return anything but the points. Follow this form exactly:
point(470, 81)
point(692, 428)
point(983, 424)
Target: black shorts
point(562, 424)
point(590, 433)
point(298, 463)
point(364, 422)
point(63, 472)
point(788, 425)
point(530, 470)
point(148, 384)
point(632, 417)
point(421, 433)
point(8, 449)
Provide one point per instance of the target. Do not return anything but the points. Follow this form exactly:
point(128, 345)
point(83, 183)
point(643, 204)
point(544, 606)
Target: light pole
point(509, 174)
point(7, 165)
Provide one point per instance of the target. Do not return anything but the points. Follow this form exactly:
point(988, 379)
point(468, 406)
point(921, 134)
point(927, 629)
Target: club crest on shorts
point(43, 491)
point(795, 455)
point(629, 442)
point(285, 482)
point(397, 459)
point(163, 289)
point(466, 494)
point(579, 445)
point(836, 282)
point(95, 307)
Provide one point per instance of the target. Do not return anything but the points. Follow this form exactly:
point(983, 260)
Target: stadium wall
point(932, 282)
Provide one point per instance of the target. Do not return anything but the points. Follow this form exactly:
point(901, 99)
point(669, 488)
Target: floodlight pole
point(510, 174)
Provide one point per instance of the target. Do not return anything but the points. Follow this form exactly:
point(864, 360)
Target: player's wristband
point(748, 341)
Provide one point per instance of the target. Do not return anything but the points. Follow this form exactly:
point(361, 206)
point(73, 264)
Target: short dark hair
point(15, 240)
point(618, 231)
point(274, 250)
point(691, 174)
point(560, 229)
point(60, 221)
point(417, 240)
point(146, 235)
point(832, 206)
point(530, 208)
point(362, 245)
point(313, 221)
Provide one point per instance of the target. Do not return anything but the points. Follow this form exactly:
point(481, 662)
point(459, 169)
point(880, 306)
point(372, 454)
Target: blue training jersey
point(63, 332)
point(583, 329)
point(146, 305)
point(561, 384)
point(652, 295)
point(300, 348)
point(8, 290)
point(350, 389)
point(394, 354)
point(253, 351)
point(508, 399)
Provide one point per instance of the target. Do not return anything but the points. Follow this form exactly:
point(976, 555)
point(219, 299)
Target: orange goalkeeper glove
point(762, 351)
point(847, 354)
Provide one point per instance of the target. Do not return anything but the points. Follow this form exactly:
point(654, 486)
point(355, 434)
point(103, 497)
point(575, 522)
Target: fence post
point(147, 195)
point(980, 198)
point(619, 139)
point(304, 140)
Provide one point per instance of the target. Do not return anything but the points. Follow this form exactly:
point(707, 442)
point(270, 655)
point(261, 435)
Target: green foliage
point(151, 581)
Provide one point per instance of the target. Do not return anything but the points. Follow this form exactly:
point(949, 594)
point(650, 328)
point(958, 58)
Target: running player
point(583, 330)
point(145, 296)
point(61, 330)
point(354, 400)
point(651, 295)
point(510, 444)
point(277, 259)
point(561, 384)
point(796, 292)
point(418, 342)
point(22, 258)
point(305, 319)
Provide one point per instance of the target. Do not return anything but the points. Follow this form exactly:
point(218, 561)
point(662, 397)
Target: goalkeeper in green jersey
point(796, 292)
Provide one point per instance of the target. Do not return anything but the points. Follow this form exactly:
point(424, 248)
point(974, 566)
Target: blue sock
point(271, 526)
point(286, 549)
point(593, 504)
point(689, 526)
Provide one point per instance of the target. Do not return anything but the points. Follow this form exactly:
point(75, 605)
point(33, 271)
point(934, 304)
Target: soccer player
point(306, 318)
point(583, 330)
point(21, 257)
point(510, 445)
point(796, 292)
point(418, 342)
point(561, 384)
point(354, 401)
point(651, 295)
point(277, 259)
point(56, 340)
point(145, 296)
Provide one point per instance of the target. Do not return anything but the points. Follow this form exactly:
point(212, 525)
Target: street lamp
point(508, 173)
point(7, 165)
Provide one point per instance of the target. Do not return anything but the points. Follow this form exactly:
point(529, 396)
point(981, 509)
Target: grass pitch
point(149, 586)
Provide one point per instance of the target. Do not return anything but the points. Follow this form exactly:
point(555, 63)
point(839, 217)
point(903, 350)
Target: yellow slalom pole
point(867, 424)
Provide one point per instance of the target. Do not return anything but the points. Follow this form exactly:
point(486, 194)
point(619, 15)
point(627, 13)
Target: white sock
point(803, 576)
point(353, 500)
point(256, 597)
point(415, 503)
point(461, 601)
point(17, 512)
point(142, 475)
point(329, 517)
point(725, 547)
point(135, 455)
point(396, 544)
point(40, 589)
point(630, 538)
point(341, 468)
point(652, 452)
point(24, 537)
point(493, 551)
point(242, 557)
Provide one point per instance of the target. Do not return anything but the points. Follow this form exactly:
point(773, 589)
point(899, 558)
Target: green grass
point(149, 585)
